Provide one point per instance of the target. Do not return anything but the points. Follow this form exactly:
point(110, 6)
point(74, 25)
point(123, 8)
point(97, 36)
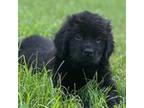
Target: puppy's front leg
point(104, 76)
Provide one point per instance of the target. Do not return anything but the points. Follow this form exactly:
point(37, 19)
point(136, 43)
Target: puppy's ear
point(109, 45)
point(61, 42)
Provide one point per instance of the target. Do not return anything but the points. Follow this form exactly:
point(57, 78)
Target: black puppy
point(81, 48)
point(84, 44)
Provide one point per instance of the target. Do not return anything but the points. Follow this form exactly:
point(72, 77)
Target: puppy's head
point(85, 38)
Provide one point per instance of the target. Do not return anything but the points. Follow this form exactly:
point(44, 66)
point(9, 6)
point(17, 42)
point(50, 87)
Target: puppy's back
point(37, 52)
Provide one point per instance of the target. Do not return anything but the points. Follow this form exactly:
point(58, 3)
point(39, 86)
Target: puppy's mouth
point(84, 60)
point(87, 60)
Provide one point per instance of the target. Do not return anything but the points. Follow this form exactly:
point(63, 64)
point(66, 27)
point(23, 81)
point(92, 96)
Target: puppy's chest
point(77, 73)
point(75, 77)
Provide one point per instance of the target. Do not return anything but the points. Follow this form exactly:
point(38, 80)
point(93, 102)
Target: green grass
point(44, 17)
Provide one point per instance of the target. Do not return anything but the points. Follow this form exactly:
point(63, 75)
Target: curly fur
point(84, 44)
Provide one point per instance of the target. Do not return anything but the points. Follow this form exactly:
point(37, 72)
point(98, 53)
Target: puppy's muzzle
point(88, 52)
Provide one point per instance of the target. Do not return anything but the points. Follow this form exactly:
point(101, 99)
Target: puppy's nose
point(88, 52)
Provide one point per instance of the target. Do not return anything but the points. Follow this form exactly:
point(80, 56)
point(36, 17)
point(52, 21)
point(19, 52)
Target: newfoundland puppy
point(82, 47)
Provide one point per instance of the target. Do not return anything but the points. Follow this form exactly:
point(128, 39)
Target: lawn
point(44, 17)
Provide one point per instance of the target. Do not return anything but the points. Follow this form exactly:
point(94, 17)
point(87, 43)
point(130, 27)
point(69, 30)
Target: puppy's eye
point(78, 37)
point(98, 41)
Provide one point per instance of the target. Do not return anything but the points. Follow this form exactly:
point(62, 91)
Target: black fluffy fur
point(84, 44)
point(37, 52)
